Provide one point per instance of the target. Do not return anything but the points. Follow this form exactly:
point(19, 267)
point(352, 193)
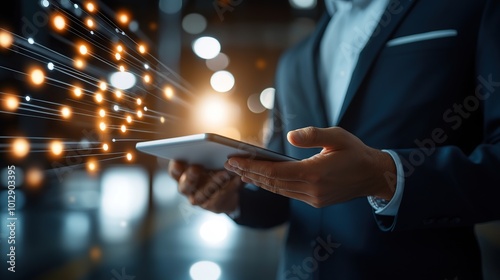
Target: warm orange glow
point(162, 120)
point(118, 56)
point(124, 128)
point(77, 91)
point(6, 39)
point(83, 49)
point(91, 7)
point(129, 119)
point(139, 101)
point(147, 78)
point(59, 22)
point(37, 76)
point(118, 94)
point(79, 63)
point(20, 147)
point(34, 177)
point(102, 126)
point(119, 48)
point(102, 113)
point(90, 23)
point(92, 165)
point(142, 49)
point(123, 18)
point(105, 147)
point(169, 92)
point(11, 102)
point(103, 86)
point(98, 97)
point(139, 114)
point(129, 156)
point(66, 112)
point(56, 147)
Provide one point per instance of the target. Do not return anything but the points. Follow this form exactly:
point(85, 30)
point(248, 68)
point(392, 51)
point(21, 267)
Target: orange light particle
point(11, 103)
point(66, 112)
point(59, 22)
point(56, 147)
point(20, 147)
point(37, 76)
point(6, 39)
point(169, 92)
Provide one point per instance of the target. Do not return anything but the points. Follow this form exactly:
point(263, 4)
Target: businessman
point(393, 107)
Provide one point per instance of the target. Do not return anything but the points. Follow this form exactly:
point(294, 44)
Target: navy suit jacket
point(434, 101)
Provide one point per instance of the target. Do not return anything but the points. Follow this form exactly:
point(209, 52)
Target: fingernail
point(233, 163)
point(298, 135)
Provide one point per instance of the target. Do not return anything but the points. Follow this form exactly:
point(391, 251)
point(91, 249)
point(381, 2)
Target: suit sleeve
point(444, 186)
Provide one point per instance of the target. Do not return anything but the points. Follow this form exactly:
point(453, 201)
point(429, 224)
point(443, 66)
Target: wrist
point(386, 186)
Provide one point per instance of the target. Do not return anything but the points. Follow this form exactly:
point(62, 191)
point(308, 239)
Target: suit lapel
point(394, 13)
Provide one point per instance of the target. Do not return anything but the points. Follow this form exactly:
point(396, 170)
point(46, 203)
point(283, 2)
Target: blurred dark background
point(125, 220)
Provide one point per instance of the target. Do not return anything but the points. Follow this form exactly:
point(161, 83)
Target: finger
point(189, 180)
point(213, 185)
point(285, 170)
point(318, 137)
point(275, 185)
point(176, 168)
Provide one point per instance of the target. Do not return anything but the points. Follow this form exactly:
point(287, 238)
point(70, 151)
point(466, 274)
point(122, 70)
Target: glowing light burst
point(107, 60)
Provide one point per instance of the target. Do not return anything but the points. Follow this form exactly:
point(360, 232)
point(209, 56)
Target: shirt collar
point(330, 4)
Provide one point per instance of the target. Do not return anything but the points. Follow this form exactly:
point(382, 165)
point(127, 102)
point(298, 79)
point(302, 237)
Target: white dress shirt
point(351, 26)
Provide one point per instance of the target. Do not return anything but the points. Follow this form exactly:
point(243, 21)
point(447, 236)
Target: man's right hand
point(215, 191)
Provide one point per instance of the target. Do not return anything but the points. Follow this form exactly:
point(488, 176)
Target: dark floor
point(102, 228)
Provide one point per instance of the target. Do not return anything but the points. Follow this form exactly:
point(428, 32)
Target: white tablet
point(207, 149)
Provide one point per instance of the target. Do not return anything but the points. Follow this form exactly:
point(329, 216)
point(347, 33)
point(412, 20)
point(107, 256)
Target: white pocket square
point(422, 37)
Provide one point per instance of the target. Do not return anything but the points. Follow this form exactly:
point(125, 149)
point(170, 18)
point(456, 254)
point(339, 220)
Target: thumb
point(310, 137)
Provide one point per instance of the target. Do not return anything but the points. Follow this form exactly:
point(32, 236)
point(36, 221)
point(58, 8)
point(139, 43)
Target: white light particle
point(92, 32)
point(114, 140)
point(28, 98)
point(146, 66)
point(45, 3)
point(222, 81)
point(31, 41)
point(116, 108)
point(206, 47)
point(50, 66)
point(76, 6)
point(117, 30)
point(145, 109)
point(123, 32)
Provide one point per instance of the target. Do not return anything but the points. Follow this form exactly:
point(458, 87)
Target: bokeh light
point(123, 128)
point(34, 178)
point(91, 7)
point(222, 81)
point(98, 97)
point(37, 76)
point(139, 114)
point(6, 39)
point(83, 49)
point(20, 147)
point(102, 113)
point(129, 119)
point(105, 147)
point(129, 156)
point(59, 22)
point(194, 23)
point(267, 98)
point(142, 49)
point(220, 62)
point(169, 92)
point(56, 147)
point(254, 104)
point(103, 86)
point(79, 63)
point(10, 102)
point(122, 80)
point(66, 112)
point(139, 101)
point(206, 47)
point(123, 18)
point(90, 23)
point(205, 270)
point(102, 126)
point(77, 91)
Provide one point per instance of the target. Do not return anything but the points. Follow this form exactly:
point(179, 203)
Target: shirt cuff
point(390, 208)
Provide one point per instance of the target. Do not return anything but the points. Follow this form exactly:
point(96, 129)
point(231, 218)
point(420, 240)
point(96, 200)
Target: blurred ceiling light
point(303, 4)
point(122, 80)
point(194, 23)
point(222, 81)
point(205, 270)
point(220, 62)
point(206, 47)
point(254, 105)
point(267, 98)
point(170, 6)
